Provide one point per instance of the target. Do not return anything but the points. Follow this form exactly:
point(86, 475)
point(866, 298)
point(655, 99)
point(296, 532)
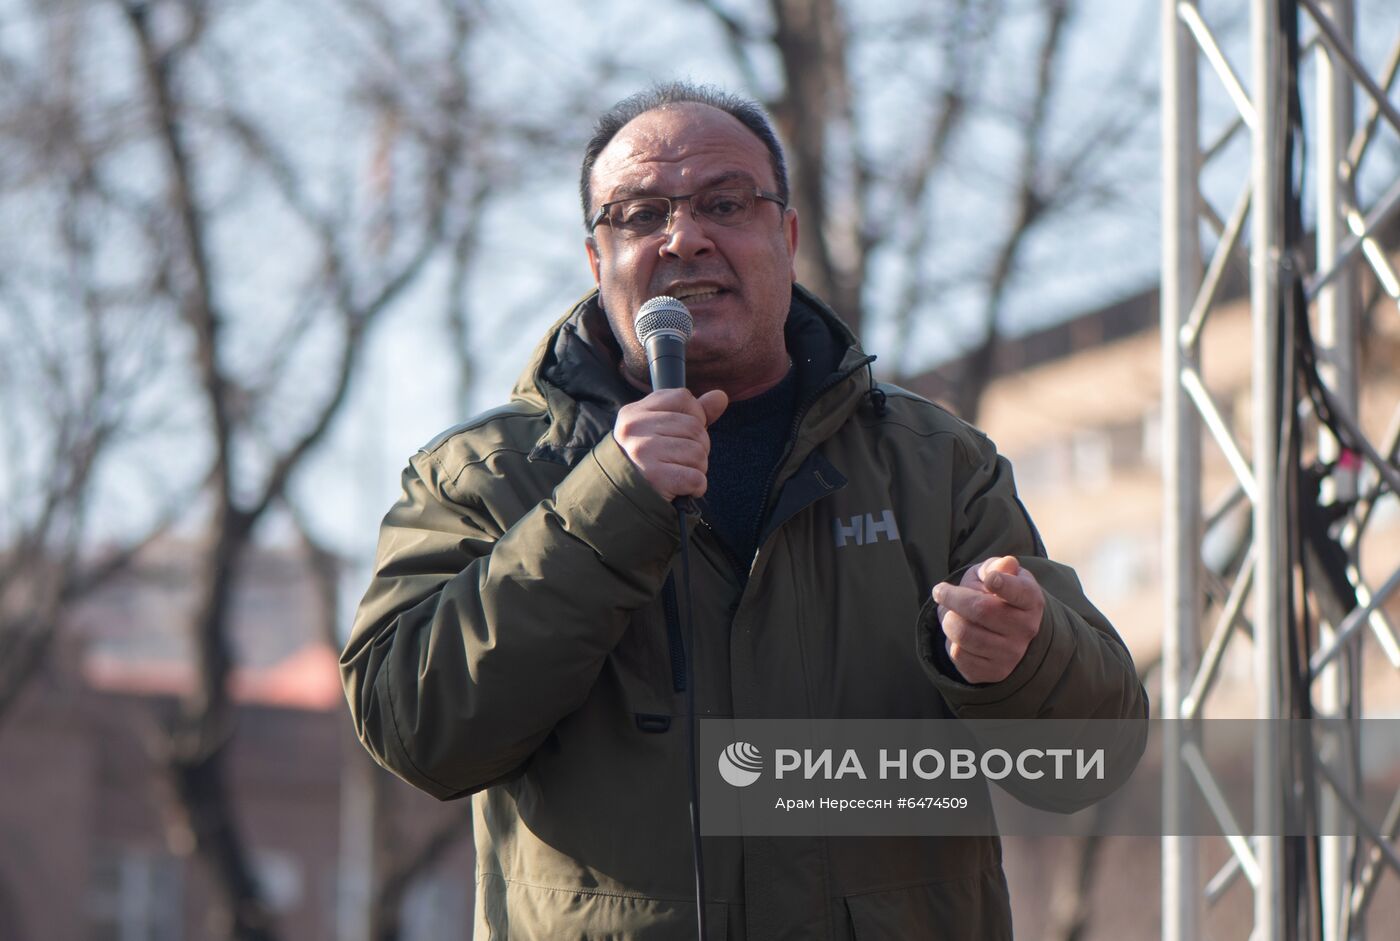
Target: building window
point(1092, 458)
point(134, 895)
point(1122, 564)
point(280, 879)
point(1152, 432)
point(1043, 469)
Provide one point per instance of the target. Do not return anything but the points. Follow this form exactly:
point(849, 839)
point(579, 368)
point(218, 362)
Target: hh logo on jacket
point(863, 528)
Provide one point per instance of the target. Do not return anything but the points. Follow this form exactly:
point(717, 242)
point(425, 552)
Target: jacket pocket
point(978, 906)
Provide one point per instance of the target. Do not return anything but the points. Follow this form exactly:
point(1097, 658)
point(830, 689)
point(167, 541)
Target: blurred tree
point(76, 352)
point(220, 204)
point(68, 386)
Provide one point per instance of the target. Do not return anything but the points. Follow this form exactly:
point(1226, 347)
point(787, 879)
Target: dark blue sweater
point(746, 443)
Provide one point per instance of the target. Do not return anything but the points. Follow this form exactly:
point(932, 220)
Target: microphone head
point(664, 315)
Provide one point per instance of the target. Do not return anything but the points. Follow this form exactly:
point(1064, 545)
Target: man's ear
point(590, 244)
point(790, 230)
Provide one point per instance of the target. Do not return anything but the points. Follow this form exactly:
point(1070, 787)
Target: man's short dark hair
point(745, 110)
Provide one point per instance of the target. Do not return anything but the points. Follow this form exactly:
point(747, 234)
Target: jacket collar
point(574, 374)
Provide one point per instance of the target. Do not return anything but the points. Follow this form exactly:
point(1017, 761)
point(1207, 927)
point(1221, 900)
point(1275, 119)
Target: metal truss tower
point(1255, 600)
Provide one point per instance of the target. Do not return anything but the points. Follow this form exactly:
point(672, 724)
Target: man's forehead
point(680, 142)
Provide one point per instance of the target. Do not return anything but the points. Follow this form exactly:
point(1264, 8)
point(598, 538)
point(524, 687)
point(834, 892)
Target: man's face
point(737, 281)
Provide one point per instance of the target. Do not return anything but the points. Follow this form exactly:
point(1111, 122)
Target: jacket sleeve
point(1076, 670)
point(473, 641)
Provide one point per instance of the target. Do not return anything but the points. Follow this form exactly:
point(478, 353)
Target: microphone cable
point(688, 645)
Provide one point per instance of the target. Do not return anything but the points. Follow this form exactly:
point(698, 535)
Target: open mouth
point(697, 295)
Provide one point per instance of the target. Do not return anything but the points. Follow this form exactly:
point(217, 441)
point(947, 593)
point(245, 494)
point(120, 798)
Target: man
point(519, 641)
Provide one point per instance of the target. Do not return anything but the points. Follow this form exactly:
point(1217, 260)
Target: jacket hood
point(574, 373)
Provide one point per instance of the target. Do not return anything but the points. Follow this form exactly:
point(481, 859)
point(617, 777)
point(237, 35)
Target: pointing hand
point(990, 619)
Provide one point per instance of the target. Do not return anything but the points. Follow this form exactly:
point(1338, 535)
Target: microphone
point(664, 325)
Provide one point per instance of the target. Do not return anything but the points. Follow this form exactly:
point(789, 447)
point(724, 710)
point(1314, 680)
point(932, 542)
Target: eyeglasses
point(645, 215)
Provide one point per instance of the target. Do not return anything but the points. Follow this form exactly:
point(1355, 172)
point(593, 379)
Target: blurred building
point(92, 845)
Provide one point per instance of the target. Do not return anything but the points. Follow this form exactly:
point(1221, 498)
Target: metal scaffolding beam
point(1257, 588)
point(1181, 455)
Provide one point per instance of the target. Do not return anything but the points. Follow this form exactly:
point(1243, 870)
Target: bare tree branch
point(1031, 201)
point(459, 315)
point(738, 38)
point(197, 300)
point(325, 567)
point(813, 115)
point(962, 48)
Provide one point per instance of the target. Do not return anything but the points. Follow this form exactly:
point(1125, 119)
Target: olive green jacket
point(513, 645)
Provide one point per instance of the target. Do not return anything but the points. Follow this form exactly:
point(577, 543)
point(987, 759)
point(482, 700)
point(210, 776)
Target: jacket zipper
point(669, 600)
point(734, 562)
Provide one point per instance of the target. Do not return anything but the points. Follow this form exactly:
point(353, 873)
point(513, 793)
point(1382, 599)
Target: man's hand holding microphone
point(665, 433)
